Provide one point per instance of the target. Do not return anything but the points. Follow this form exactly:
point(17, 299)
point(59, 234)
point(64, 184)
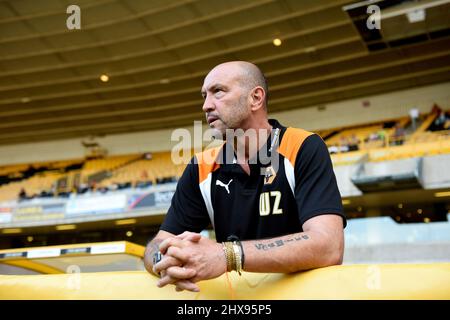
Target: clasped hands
point(189, 258)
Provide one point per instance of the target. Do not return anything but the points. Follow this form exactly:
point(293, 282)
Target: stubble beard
point(237, 117)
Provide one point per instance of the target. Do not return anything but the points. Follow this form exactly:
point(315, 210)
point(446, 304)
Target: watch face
point(157, 256)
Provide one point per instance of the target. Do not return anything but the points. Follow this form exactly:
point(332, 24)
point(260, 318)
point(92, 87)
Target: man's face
point(226, 103)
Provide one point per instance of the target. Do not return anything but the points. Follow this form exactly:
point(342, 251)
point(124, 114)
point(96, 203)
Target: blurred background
point(90, 95)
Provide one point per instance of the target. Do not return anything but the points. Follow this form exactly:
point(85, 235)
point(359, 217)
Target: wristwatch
point(157, 257)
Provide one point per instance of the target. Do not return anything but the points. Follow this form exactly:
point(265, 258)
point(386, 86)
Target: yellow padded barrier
point(383, 281)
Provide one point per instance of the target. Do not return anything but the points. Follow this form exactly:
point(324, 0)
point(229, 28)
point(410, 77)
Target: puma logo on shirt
point(221, 184)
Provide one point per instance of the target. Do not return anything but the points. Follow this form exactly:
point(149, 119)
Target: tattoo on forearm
point(280, 242)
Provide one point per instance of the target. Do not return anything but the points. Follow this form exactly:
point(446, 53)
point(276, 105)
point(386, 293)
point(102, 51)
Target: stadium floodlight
point(125, 221)
point(12, 230)
point(442, 194)
point(63, 227)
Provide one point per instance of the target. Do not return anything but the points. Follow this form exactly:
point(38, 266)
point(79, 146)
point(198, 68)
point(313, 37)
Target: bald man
point(274, 207)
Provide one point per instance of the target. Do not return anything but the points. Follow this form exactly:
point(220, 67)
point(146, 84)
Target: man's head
point(235, 96)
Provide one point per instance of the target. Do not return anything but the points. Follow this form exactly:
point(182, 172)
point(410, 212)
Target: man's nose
point(208, 105)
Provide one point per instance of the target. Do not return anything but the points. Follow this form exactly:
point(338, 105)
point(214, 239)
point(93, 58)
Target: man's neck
point(247, 143)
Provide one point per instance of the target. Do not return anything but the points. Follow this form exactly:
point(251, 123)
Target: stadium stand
point(377, 141)
point(63, 177)
point(155, 170)
point(39, 185)
point(381, 143)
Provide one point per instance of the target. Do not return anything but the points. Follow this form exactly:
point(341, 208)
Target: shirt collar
point(255, 163)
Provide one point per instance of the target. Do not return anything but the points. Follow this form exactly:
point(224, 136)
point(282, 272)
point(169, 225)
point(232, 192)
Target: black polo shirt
point(257, 206)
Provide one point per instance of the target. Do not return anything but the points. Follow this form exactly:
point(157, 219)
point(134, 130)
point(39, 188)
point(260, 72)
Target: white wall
point(344, 113)
point(381, 240)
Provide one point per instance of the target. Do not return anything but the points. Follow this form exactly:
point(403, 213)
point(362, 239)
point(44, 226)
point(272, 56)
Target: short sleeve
point(316, 190)
point(187, 211)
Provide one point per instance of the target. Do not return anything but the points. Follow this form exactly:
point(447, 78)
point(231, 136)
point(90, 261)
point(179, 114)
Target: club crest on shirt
point(269, 175)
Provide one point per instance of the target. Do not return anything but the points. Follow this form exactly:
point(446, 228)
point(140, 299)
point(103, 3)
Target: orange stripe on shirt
point(293, 139)
point(207, 162)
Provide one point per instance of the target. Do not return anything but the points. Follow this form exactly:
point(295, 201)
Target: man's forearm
point(291, 253)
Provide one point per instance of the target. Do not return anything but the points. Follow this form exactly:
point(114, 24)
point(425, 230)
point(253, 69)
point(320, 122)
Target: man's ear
point(257, 96)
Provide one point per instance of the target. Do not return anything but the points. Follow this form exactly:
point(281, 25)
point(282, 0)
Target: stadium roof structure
point(155, 54)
